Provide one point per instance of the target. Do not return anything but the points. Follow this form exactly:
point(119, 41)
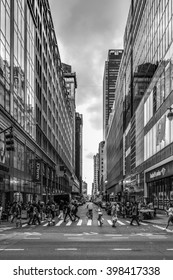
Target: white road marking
point(157, 237)
point(59, 223)
point(73, 234)
point(163, 228)
point(69, 223)
point(109, 222)
point(66, 249)
point(11, 249)
point(112, 234)
point(144, 224)
point(128, 222)
point(121, 223)
point(121, 249)
point(24, 225)
point(89, 223)
point(169, 249)
point(79, 223)
point(5, 228)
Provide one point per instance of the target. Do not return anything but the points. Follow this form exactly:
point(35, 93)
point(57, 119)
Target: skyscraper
point(109, 84)
point(35, 101)
point(79, 148)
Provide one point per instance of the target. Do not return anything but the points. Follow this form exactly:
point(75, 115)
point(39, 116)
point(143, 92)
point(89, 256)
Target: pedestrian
point(30, 212)
point(75, 210)
point(36, 215)
point(100, 216)
point(18, 215)
point(0, 212)
point(67, 208)
point(61, 208)
point(114, 214)
point(90, 210)
point(135, 214)
point(14, 210)
point(170, 215)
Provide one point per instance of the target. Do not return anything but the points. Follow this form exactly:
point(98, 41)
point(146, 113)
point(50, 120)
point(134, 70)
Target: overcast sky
point(85, 31)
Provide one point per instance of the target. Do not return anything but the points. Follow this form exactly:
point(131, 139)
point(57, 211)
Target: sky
point(85, 31)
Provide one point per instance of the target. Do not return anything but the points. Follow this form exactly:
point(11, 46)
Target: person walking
point(100, 214)
point(114, 214)
point(30, 212)
point(67, 207)
point(61, 208)
point(170, 215)
point(90, 210)
point(135, 216)
point(75, 210)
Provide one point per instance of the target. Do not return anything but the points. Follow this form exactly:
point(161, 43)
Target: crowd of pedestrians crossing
point(38, 211)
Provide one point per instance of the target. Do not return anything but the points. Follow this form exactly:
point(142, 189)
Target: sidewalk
point(160, 219)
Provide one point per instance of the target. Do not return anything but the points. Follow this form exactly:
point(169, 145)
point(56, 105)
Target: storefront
point(160, 185)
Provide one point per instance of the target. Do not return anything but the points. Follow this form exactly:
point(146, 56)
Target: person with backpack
point(170, 215)
point(135, 214)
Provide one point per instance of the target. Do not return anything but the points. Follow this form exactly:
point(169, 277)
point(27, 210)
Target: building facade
point(109, 84)
point(101, 167)
point(96, 175)
point(79, 148)
point(34, 101)
point(146, 86)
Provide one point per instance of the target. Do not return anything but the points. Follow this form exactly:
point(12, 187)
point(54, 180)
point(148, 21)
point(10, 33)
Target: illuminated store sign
point(158, 173)
point(163, 171)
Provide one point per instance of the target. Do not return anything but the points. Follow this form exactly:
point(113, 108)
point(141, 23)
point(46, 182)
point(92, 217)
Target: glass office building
point(146, 72)
point(34, 100)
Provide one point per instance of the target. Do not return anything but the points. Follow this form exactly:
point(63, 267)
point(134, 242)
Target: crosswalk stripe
point(59, 223)
point(69, 223)
point(79, 223)
point(144, 224)
point(121, 223)
point(109, 222)
point(89, 223)
point(163, 228)
point(24, 225)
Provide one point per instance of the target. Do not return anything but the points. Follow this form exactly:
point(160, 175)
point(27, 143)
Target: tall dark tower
point(79, 147)
point(109, 84)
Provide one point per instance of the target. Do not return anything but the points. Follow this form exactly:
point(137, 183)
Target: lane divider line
point(66, 249)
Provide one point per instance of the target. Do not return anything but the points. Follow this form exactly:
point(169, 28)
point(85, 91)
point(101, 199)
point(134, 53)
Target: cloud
point(85, 31)
point(90, 155)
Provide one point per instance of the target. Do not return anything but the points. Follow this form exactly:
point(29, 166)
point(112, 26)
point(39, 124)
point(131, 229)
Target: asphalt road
point(87, 241)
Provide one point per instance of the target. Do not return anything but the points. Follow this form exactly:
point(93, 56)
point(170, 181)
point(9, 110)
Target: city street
point(86, 240)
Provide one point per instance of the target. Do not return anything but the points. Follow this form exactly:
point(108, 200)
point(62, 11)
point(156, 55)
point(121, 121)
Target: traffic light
point(9, 140)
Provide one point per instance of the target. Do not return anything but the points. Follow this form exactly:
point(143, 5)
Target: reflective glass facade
point(146, 83)
point(34, 100)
